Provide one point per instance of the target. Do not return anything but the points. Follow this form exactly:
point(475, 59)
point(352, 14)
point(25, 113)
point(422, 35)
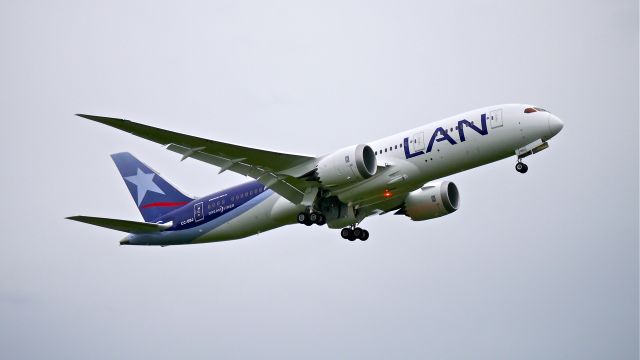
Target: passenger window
point(401, 145)
point(396, 146)
point(385, 149)
point(246, 194)
point(376, 153)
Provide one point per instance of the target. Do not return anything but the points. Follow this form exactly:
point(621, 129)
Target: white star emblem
point(144, 182)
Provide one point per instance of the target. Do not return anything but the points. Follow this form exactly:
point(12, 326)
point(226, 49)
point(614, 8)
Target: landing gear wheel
point(301, 218)
point(313, 217)
point(347, 233)
point(521, 167)
point(351, 234)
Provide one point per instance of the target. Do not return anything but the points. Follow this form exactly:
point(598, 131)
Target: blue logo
point(440, 134)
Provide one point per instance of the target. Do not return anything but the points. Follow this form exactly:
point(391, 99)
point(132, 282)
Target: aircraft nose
point(555, 125)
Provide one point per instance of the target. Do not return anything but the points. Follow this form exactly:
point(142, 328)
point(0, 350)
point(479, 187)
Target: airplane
point(398, 174)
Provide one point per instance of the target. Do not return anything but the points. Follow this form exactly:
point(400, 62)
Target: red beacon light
point(387, 193)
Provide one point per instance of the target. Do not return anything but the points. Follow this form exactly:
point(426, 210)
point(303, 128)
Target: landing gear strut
point(351, 233)
point(521, 167)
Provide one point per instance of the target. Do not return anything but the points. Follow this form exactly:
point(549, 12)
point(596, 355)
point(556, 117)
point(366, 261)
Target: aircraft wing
point(277, 171)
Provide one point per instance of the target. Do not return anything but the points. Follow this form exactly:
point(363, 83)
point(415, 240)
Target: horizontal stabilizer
point(129, 226)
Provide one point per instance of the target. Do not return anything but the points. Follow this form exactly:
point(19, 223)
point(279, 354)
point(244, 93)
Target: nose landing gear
point(521, 167)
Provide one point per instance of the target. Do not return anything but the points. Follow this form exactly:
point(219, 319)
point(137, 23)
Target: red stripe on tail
point(164, 204)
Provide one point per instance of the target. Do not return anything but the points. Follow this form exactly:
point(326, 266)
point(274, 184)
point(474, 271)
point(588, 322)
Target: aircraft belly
point(274, 212)
point(402, 176)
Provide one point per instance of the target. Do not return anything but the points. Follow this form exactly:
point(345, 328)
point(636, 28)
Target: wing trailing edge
point(278, 171)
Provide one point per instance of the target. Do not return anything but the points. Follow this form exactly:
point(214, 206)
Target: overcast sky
point(535, 266)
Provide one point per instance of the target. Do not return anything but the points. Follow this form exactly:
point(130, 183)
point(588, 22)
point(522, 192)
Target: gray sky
point(541, 266)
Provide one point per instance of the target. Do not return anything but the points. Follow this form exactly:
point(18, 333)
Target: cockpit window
point(534, 109)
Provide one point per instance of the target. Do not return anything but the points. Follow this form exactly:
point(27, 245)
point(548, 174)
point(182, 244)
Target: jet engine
point(433, 200)
point(347, 165)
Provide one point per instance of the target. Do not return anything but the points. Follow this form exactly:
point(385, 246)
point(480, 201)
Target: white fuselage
point(406, 161)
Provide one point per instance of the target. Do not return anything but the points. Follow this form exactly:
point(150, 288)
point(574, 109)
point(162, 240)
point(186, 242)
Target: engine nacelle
point(433, 200)
point(347, 165)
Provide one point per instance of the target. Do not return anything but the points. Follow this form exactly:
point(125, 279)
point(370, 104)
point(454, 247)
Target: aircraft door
point(198, 212)
point(495, 118)
point(417, 143)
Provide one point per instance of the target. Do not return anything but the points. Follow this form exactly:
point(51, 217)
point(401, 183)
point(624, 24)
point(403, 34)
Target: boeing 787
point(398, 174)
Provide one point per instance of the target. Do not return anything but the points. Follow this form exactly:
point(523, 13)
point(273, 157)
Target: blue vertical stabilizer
point(153, 195)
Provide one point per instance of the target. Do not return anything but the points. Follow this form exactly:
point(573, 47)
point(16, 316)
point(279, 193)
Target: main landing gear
point(521, 167)
point(351, 233)
point(310, 218)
